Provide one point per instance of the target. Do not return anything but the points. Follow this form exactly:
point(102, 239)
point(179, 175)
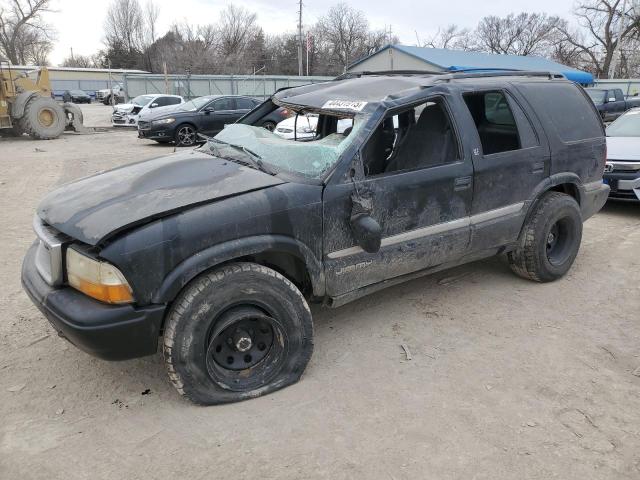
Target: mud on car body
point(220, 249)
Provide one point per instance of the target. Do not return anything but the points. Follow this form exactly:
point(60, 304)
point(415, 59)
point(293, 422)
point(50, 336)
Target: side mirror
point(153, 105)
point(367, 232)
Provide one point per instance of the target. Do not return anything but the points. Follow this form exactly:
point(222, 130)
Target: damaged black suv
point(220, 249)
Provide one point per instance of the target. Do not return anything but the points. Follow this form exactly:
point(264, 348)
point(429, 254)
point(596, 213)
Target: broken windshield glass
point(310, 158)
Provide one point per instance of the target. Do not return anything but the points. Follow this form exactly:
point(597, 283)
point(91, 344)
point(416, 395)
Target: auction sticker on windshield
point(344, 105)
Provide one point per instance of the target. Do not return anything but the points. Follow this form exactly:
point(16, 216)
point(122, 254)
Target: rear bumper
point(110, 332)
point(594, 196)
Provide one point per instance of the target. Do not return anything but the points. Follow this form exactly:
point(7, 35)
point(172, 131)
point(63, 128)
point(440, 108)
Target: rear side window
point(570, 112)
point(501, 124)
point(245, 104)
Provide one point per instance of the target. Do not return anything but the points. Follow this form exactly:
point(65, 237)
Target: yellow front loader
point(27, 106)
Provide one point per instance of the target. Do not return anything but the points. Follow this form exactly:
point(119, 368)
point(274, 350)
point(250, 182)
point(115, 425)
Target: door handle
point(462, 183)
point(538, 167)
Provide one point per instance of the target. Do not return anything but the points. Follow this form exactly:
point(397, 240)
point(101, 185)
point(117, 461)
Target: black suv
point(220, 249)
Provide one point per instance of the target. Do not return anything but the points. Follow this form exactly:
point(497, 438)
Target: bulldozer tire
point(43, 118)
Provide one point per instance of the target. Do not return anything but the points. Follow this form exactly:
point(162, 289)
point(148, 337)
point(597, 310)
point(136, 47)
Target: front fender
point(224, 252)
point(21, 100)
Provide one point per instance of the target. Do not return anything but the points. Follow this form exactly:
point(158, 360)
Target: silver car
point(622, 170)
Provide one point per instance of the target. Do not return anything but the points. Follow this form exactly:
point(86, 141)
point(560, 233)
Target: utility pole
point(300, 70)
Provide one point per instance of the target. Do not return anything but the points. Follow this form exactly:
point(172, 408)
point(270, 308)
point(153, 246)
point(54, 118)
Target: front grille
point(142, 125)
point(285, 130)
point(49, 252)
point(118, 120)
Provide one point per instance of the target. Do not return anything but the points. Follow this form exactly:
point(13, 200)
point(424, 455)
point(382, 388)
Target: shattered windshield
point(311, 158)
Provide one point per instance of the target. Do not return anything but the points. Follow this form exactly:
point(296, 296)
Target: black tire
point(186, 135)
point(14, 131)
point(269, 125)
point(205, 364)
point(106, 100)
point(550, 239)
point(43, 118)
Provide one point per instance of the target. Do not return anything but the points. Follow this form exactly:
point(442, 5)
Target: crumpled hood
point(95, 208)
point(125, 107)
point(623, 148)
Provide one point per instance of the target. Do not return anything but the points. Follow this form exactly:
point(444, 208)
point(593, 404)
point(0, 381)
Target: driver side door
point(216, 114)
point(421, 199)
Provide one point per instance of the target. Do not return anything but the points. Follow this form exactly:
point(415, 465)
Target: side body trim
point(435, 229)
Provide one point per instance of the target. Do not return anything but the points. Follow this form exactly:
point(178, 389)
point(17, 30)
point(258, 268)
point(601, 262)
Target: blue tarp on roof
point(460, 60)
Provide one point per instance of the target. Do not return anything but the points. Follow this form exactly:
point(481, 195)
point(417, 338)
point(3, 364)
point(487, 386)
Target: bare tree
point(124, 25)
point(237, 27)
point(150, 17)
point(24, 36)
point(79, 61)
point(522, 34)
point(604, 24)
point(452, 37)
point(344, 30)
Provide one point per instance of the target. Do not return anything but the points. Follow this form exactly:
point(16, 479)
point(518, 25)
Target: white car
point(622, 170)
point(305, 126)
point(128, 114)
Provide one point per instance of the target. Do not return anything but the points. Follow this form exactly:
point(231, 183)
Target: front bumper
point(594, 196)
point(157, 132)
point(624, 185)
point(110, 332)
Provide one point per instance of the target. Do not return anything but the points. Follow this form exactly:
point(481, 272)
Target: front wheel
point(550, 239)
point(235, 333)
point(186, 136)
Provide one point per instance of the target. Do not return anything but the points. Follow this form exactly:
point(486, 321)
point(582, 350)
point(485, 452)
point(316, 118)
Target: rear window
point(571, 114)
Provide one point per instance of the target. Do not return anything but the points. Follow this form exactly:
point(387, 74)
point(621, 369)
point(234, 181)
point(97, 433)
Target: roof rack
point(457, 74)
point(348, 75)
point(497, 72)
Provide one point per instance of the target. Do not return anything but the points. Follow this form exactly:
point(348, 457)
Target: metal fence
point(191, 86)
point(629, 86)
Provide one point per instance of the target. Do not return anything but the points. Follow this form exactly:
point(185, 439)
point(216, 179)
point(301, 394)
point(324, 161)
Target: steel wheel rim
point(186, 135)
point(245, 374)
point(243, 344)
point(558, 241)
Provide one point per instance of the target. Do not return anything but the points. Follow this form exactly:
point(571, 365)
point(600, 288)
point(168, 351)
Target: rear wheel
point(106, 100)
point(43, 118)
point(550, 239)
point(186, 136)
point(238, 332)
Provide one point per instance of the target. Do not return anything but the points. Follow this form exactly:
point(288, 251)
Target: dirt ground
point(508, 379)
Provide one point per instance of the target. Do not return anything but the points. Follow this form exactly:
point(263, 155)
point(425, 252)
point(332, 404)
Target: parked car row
point(205, 115)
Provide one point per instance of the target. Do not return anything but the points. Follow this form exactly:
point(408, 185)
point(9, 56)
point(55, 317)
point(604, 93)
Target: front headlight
point(99, 280)
point(164, 121)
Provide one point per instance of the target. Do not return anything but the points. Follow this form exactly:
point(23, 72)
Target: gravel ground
point(508, 379)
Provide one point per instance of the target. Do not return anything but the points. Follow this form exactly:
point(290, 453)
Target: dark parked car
point(203, 115)
point(611, 102)
point(76, 96)
point(220, 249)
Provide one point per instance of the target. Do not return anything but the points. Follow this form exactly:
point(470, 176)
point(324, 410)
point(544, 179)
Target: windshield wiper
point(255, 159)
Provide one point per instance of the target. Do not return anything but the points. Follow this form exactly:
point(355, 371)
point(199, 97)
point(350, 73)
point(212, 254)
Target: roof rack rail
point(348, 75)
point(498, 72)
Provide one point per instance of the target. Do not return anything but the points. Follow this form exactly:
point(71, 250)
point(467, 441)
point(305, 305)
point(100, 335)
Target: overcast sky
point(79, 22)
